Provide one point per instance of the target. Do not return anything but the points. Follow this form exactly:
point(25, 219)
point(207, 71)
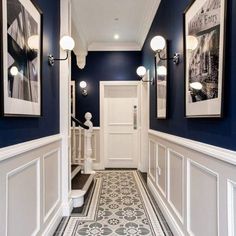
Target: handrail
point(79, 122)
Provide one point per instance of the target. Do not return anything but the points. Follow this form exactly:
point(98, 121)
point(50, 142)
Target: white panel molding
point(120, 159)
point(109, 46)
point(231, 190)
point(166, 212)
point(18, 170)
point(21, 148)
point(49, 212)
point(210, 172)
point(210, 150)
point(149, 167)
point(178, 214)
point(158, 169)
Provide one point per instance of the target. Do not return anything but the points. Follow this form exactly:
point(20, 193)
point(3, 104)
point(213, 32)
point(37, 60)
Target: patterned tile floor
point(122, 205)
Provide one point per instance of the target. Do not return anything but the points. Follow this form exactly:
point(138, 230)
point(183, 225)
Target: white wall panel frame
point(15, 171)
point(158, 169)
point(49, 212)
point(231, 191)
point(210, 172)
point(178, 214)
point(151, 141)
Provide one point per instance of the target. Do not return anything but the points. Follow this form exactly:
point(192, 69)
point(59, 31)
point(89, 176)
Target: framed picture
point(204, 40)
point(21, 57)
point(161, 84)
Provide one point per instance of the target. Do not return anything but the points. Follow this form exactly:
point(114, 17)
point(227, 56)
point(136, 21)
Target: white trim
point(52, 226)
point(231, 185)
point(167, 214)
point(21, 148)
point(100, 46)
point(155, 151)
point(210, 150)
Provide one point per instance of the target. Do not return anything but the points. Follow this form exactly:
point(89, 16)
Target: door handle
point(135, 117)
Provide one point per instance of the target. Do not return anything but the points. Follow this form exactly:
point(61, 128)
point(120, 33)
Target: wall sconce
point(158, 43)
point(142, 72)
point(83, 86)
point(67, 44)
point(191, 42)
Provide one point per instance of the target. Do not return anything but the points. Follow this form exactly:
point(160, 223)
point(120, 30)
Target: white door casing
point(120, 124)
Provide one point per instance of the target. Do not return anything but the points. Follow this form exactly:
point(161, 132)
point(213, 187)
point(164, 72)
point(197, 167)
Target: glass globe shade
point(161, 70)
point(141, 71)
point(158, 43)
point(14, 71)
point(33, 42)
point(196, 85)
point(67, 43)
point(191, 42)
point(83, 84)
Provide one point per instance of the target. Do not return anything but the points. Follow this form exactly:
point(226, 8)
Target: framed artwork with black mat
point(204, 45)
point(21, 58)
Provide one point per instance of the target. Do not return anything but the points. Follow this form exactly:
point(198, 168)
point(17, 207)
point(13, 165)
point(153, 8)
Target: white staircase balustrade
point(88, 162)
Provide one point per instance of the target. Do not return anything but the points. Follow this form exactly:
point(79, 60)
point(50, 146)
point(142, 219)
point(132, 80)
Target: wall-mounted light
point(14, 71)
point(33, 42)
point(67, 44)
point(83, 86)
point(161, 70)
point(142, 72)
point(158, 43)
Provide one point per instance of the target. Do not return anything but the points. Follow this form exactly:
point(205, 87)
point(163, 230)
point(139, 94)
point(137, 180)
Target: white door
point(121, 132)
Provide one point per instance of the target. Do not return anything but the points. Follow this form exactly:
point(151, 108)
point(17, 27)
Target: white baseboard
point(165, 211)
point(52, 226)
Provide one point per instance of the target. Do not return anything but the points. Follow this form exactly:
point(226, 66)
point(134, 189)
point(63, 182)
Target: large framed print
point(21, 57)
point(204, 40)
point(161, 84)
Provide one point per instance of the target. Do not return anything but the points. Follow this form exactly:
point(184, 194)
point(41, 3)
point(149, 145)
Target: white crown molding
point(110, 46)
point(222, 154)
point(13, 150)
point(148, 18)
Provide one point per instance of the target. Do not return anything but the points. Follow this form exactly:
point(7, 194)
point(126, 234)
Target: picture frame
point(204, 52)
point(21, 58)
point(161, 83)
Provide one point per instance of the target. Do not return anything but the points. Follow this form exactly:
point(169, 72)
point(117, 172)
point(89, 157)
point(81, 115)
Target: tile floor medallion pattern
point(120, 206)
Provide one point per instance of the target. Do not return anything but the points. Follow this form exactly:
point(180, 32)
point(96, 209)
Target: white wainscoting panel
point(202, 200)
point(161, 168)
point(200, 185)
point(176, 183)
point(30, 187)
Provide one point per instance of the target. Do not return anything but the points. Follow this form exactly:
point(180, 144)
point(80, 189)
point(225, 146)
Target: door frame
point(102, 85)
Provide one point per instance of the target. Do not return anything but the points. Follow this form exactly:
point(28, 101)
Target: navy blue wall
point(221, 132)
point(102, 66)
point(16, 130)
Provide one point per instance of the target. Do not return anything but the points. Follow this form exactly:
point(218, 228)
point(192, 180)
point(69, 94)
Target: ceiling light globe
point(161, 71)
point(191, 43)
point(33, 42)
point(141, 71)
point(158, 43)
point(67, 43)
point(14, 71)
point(83, 84)
point(196, 85)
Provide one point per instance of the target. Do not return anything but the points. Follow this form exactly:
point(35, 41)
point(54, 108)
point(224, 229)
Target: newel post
point(88, 162)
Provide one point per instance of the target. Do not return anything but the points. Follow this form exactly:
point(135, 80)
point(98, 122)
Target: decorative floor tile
point(121, 206)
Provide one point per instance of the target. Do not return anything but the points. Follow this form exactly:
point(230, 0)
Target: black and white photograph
point(21, 58)
point(204, 58)
point(161, 75)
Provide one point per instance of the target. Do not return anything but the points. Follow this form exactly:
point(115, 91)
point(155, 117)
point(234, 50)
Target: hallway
point(120, 205)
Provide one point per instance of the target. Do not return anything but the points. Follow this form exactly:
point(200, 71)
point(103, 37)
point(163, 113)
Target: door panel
point(121, 134)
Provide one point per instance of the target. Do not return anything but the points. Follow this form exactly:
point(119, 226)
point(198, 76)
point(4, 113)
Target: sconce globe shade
point(158, 43)
point(196, 85)
point(161, 71)
point(141, 71)
point(33, 42)
point(67, 43)
point(83, 84)
point(14, 71)
point(191, 42)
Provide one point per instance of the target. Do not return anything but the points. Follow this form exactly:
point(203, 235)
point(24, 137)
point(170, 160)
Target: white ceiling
point(94, 23)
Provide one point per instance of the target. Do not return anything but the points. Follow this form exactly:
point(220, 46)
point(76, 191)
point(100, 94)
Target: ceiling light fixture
point(116, 36)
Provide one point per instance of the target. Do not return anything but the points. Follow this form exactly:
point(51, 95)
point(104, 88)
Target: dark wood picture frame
point(21, 92)
point(204, 97)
